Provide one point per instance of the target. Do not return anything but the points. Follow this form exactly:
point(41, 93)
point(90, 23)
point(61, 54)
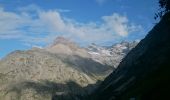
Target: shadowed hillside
point(144, 72)
point(31, 90)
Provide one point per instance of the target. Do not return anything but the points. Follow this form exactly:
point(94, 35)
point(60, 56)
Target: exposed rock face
point(24, 68)
point(65, 46)
point(110, 55)
point(60, 71)
point(144, 72)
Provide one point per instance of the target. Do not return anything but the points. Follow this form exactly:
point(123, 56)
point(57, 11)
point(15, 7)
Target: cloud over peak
point(50, 23)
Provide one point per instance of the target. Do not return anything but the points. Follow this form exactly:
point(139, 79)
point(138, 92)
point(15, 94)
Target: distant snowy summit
point(107, 55)
point(110, 55)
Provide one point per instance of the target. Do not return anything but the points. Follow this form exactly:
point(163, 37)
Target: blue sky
point(28, 23)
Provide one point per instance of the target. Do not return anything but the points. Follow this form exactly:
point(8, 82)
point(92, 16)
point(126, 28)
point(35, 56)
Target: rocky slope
point(106, 55)
point(144, 72)
point(23, 72)
point(110, 55)
point(65, 46)
point(60, 71)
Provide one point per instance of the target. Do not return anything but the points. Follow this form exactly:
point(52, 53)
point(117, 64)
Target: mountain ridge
point(144, 70)
point(63, 64)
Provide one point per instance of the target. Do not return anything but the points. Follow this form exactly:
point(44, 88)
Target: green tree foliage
point(164, 8)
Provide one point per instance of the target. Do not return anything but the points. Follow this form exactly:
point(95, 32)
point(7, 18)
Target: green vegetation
point(164, 8)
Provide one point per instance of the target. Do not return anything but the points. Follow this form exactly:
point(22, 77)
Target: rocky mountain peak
point(110, 55)
point(62, 40)
point(63, 68)
point(62, 45)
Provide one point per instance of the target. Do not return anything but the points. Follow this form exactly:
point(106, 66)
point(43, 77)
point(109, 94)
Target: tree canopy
point(164, 8)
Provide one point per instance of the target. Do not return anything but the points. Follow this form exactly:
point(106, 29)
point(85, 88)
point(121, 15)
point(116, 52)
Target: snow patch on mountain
point(111, 55)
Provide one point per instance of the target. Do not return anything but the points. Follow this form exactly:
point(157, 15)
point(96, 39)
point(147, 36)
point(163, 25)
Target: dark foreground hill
point(144, 74)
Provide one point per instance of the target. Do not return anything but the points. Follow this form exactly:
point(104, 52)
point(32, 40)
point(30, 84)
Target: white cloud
point(120, 24)
point(46, 25)
point(117, 23)
point(9, 24)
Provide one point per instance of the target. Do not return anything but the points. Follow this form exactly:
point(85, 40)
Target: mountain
point(144, 73)
point(60, 71)
point(110, 55)
point(38, 74)
point(65, 46)
point(106, 55)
